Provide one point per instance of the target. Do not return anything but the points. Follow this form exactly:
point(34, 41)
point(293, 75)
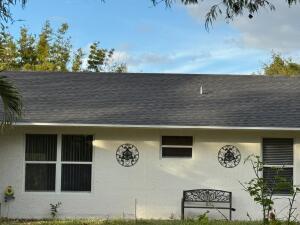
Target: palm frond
point(12, 102)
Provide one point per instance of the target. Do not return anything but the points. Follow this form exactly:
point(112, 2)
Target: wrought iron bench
point(207, 199)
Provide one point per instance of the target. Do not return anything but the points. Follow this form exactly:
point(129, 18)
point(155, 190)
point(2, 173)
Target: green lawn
point(124, 222)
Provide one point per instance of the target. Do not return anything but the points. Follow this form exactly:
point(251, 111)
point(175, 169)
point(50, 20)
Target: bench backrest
point(207, 195)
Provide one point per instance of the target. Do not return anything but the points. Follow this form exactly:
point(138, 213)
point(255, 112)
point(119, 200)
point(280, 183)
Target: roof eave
point(19, 124)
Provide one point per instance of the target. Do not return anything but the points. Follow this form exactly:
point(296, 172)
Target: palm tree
point(11, 102)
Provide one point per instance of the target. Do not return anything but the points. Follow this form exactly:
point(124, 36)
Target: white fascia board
point(157, 126)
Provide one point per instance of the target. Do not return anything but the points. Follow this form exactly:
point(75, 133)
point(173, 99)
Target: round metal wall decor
point(229, 156)
point(127, 155)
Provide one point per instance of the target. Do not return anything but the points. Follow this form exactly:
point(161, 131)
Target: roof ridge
point(147, 74)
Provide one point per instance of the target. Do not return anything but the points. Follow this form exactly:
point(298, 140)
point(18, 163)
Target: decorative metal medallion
point(229, 156)
point(127, 155)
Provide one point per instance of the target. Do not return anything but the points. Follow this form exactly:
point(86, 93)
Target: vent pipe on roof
point(201, 90)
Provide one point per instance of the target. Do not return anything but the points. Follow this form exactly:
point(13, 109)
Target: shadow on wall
point(157, 184)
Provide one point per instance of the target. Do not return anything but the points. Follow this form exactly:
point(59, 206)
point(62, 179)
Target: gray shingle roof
point(159, 99)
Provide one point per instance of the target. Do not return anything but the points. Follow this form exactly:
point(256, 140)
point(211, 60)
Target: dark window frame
point(277, 165)
point(179, 146)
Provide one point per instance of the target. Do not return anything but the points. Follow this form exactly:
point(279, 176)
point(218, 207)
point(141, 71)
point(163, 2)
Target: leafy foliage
point(52, 51)
point(61, 49)
point(8, 52)
point(230, 9)
point(261, 190)
point(43, 49)
point(99, 58)
point(27, 49)
point(5, 13)
point(54, 209)
point(291, 218)
point(281, 66)
point(77, 60)
point(203, 218)
point(12, 102)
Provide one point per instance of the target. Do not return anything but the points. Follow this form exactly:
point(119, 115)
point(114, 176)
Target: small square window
point(177, 146)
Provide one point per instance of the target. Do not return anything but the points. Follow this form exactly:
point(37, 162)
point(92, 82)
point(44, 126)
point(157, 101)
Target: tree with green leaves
point(43, 49)
point(77, 60)
point(11, 98)
point(60, 51)
point(8, 52)
point(281, 66)
point(100, 60)
point(26, 50)
point(52, 51)
point(119, 68)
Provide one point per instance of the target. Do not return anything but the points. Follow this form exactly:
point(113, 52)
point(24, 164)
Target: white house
point(128, 145)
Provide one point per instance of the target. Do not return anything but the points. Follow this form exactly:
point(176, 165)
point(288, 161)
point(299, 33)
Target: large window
point(43, 168)
point(278, 162)
point(76, 156)
point(40, 156)
point(177, 146)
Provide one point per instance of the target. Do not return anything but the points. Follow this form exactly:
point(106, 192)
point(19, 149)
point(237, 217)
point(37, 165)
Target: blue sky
point(156, 39)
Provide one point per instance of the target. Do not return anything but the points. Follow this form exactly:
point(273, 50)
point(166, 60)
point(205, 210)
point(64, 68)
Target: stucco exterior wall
point(154, 183)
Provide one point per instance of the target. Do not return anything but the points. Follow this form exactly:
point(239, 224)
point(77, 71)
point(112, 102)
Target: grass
point(124, 222)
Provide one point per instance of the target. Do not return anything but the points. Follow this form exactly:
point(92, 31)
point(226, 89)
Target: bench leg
point(182, 210)
point(230, 206)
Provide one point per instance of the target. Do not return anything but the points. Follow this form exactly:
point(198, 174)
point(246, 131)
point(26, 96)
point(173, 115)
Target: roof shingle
point(159, 99)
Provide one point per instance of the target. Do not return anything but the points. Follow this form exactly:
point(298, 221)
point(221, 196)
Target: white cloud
point(218, 61)
point(269, 30)
point(153, 61)
point(215, 60)
point(277, 30)
point(241, 48)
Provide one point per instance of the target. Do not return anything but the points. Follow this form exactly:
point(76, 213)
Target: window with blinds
point(278, 158)
point(177, 146)
point(76, 157)
point(40, 160)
